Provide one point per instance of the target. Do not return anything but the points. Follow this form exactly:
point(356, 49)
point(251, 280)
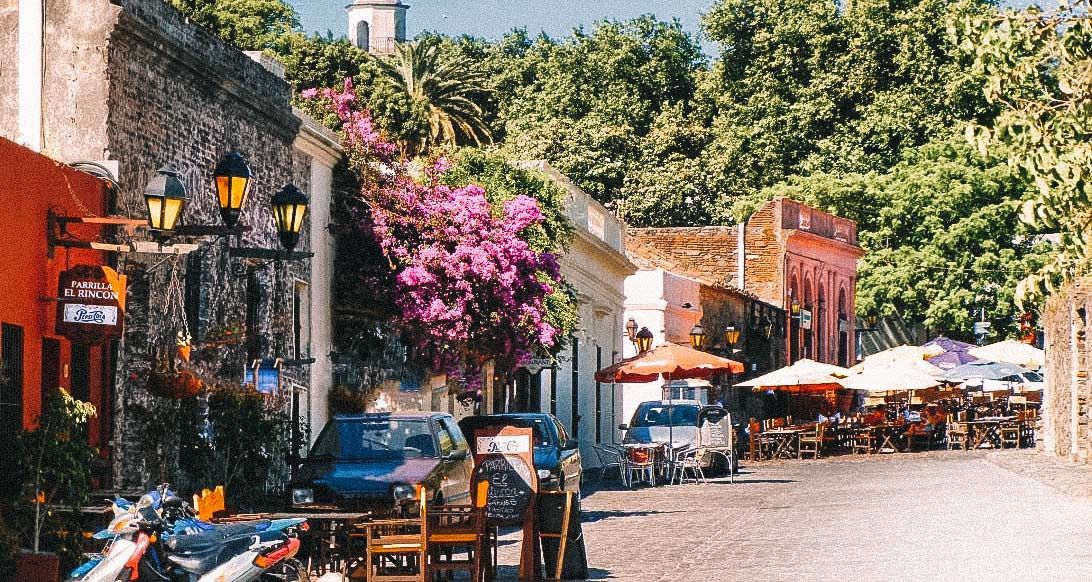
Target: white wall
point(657, 299)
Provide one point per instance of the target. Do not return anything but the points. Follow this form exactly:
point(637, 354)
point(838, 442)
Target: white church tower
point(376, 25)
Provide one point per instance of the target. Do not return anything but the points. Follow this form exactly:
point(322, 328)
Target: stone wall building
point(133, 84)
point(791, 254)
point(1067, 395)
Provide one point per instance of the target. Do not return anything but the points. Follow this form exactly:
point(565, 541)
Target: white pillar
point(30, 66)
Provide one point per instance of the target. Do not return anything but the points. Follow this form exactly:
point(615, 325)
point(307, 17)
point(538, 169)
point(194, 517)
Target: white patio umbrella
point(1011, 351)
point(802, 376)
point(899, 354)
point(893, 377)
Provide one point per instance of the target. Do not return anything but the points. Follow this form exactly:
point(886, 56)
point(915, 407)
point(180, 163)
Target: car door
point(569, 459)
point(456, 462)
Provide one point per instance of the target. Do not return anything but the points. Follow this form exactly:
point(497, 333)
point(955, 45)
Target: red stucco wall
point(30, 185)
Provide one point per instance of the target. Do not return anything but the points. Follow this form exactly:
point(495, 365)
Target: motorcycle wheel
point(290, 570)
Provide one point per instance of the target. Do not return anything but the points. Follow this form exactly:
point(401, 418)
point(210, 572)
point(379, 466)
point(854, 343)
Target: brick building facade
point(134, 83)
point(791, 253)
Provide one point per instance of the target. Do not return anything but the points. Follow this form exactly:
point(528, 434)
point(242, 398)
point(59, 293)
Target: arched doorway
point(843, 330)
point(808, 326)
point(363, 34)
point(819, 326)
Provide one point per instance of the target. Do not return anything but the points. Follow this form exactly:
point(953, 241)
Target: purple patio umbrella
point(949, 360)
point(949, 345)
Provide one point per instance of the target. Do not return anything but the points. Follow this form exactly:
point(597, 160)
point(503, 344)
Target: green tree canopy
point(251, 25)
point(1036, 67)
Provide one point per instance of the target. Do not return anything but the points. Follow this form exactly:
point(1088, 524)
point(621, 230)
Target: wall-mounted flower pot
point(41, 567)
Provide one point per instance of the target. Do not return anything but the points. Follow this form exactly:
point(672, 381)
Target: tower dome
point(377, 25)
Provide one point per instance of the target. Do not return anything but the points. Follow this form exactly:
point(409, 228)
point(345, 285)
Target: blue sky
point(492, 18)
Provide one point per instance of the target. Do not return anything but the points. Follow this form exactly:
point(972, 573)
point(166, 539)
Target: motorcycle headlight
point(303, 496)
point(403, 492)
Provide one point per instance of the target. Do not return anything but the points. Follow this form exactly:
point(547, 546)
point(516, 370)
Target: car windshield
point(655, 414)
point(375, 440)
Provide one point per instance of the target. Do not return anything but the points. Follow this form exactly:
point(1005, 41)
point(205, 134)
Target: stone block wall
point(1066, 397)
point(178, 96)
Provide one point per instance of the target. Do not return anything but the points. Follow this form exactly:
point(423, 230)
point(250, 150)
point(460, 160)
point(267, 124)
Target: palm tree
point(448, 89)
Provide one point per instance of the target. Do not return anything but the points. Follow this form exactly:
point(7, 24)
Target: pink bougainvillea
point(468, 288)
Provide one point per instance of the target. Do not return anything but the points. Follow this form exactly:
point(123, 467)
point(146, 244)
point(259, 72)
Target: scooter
point(161, 525)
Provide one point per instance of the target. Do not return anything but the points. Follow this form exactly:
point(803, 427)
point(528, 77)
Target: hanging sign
point(90, 304)
point(805, 319)
point(535, 365)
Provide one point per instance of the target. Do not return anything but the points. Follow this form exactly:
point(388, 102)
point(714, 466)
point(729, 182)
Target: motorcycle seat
point(203, 551)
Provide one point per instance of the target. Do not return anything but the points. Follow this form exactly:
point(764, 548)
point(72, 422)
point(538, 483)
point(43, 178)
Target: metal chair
point(864, 441)
point(640, 465)
point(958, 434)
point(688, 459)
point(610, 458)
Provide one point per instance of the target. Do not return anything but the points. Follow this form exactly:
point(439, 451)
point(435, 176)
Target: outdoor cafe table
point(785, 442)
point(332, 541)
point(987, 430)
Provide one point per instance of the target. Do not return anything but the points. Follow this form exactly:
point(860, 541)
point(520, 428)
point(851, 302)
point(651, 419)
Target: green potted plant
point(57, 465)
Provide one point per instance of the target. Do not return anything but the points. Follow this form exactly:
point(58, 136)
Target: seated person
point(876, 416)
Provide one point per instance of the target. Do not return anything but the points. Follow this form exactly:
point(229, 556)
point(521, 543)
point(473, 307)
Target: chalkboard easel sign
point(504, 458)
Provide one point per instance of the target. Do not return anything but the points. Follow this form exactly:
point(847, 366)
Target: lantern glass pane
point(172, 207)
point(155, 211)
point(300, 212)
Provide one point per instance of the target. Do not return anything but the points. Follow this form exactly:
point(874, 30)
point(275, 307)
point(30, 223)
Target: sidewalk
point(1059, 474)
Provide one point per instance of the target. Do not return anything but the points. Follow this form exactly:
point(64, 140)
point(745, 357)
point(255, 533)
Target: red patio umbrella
point(672, 360)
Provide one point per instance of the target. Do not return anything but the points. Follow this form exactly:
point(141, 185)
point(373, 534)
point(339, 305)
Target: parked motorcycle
point(160, 539)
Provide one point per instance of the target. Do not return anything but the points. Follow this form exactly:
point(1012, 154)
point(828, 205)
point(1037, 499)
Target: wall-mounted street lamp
point(631, 330)
point(289, 208)
point(731, 336)
point(232, 179)
point(644, 340)
point(697, 337)
point(794, 308)
point(165, 195)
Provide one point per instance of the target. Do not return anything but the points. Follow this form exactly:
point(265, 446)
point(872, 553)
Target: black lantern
point(644, 340)
point(631, 330)
point(165, 196)
point(232, 179)
point(871, 320)
point(289, 208)
point(731, 335)
point(794, 308)
point(697, 337)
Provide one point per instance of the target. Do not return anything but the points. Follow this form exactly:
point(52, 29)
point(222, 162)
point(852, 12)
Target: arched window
point(363, 34)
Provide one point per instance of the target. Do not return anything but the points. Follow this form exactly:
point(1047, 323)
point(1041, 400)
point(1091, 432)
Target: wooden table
point(887, 435)
point(987, 431)
point(785, 442)
point(333, 541)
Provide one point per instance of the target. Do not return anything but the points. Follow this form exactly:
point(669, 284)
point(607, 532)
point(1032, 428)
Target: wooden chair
point(397, 548)
point(920, 435)
point(811, 442)
point(1010, 435)
point(864, 441)
point(958, 434)
point(456, 537)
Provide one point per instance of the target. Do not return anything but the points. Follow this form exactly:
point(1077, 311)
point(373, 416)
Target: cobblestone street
point(930, 516)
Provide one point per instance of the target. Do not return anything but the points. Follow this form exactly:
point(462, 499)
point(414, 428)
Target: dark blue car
point(557, 457)
point(381, 462)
